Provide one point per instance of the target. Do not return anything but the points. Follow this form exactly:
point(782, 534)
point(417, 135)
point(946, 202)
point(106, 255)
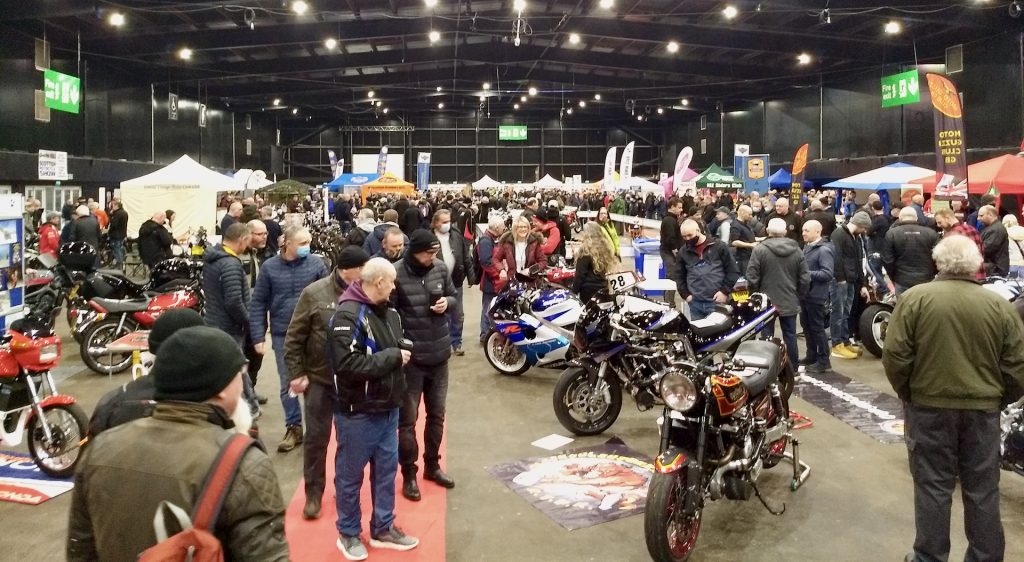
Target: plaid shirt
point(972, 233)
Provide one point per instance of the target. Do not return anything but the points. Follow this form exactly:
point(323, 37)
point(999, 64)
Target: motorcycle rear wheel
point(504, 356)
point(97, 338)
point(579, 408)
point(68, 427)
point(670, 537)
point(874, 322)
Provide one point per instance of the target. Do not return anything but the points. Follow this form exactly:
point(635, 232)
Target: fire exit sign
point(900, 89)
point(512, 132)
point(61, 91)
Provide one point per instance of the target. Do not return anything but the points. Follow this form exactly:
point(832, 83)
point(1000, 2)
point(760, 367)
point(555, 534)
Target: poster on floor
point(874, 413)
point(21, 481)
point(582, 487)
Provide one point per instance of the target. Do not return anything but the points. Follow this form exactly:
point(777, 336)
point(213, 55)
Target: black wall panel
point(991, 86)
point(792, 122)
point(743, 125)
point(855, 124)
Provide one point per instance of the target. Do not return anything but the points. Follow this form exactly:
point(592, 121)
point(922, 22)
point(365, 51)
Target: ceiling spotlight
point(483, 98)
point(295, 111)
point(597, 97)
point(672, 47)
point(522, 99)
point(532, 91)
point(583, 103)
point(825, 16)
point(440, 105)
point(574, 38)
point(893, 27)
point(331, 43)
point(185, 53)
point(515, 106)
point(607, 4)
point(639, 117)
point(434, 36)
point(730, 12)
point(385, 110)
point(300, 7)
point(116, 19)
point(370, 94)
point(438, 88)
point(430, 3)
point(487, 85)
point(277, 101)
point(519, 5)
point(803, 58)
point(660, 111)
point(685, 102)
point(379, 103)
point(568, 111)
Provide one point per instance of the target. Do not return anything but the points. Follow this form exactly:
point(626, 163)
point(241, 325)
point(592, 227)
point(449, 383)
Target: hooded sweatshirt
point(778, 269)
point(375, 241)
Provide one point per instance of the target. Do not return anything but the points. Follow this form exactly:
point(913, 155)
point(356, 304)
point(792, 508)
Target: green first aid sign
point(512, 132)
point(901, 89)
point(63, 92)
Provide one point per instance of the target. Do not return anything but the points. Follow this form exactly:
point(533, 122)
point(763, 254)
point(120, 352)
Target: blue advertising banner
point(422, 171)
point(752, 170)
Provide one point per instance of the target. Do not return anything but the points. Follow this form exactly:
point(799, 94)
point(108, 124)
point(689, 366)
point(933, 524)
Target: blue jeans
point(456, 319)
point(485, 321)
point(788, 324)
point(842, 301)
point(812, 317)
point(876, 268)
point(292, 409)
point(366, 438)
point(700, 309)
point(117, 249)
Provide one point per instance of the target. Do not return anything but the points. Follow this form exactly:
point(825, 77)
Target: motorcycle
point(118, 318)
point(30, 405)
point(1011, 441)
point(624, 341)
point(722, 425)
point(532, 322)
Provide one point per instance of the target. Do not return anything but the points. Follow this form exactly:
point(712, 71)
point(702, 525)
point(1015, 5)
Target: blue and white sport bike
point(532, 323)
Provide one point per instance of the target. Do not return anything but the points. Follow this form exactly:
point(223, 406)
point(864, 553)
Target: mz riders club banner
point(796, 188)
point(950, 145)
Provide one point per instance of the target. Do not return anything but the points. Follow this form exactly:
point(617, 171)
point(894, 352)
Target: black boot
point(439, 477)
point(410, 489)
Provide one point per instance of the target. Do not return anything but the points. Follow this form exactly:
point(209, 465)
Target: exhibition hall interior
point(708, 280)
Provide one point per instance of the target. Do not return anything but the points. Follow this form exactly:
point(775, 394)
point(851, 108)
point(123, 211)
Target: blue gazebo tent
point(782, 179)
point(351, 182)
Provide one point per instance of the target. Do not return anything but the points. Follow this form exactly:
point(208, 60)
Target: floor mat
point(21, 481)
point(582, 487)
point(314, 541)
point(874, 413)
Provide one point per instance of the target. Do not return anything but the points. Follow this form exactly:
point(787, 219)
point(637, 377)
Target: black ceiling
point(383, 45)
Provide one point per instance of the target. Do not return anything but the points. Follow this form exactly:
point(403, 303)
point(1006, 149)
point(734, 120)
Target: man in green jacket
point(305, 355)
point(948, 347)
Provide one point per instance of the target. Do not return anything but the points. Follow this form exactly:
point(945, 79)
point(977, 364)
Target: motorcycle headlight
point(48, 353)
point(678, 391)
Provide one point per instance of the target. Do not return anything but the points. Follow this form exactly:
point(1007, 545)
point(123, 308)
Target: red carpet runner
point(314, 541)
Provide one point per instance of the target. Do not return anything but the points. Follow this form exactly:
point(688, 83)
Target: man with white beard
point(166, 458)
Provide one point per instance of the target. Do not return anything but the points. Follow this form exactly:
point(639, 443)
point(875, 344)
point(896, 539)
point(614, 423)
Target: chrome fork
point(37, 406)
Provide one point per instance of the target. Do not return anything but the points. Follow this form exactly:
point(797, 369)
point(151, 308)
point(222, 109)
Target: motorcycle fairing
point(672, 460)
point(729, 339)
point(545, 341)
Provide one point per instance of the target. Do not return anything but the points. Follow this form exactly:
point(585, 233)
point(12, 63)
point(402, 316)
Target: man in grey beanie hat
point(847, 240)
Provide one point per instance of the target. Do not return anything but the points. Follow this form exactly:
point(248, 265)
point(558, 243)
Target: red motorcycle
point(29, 402)
point(118, 318)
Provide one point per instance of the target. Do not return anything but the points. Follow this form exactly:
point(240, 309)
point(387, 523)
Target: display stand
point(12, 263)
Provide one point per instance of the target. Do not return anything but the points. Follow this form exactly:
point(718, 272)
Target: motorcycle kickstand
point(801, 470)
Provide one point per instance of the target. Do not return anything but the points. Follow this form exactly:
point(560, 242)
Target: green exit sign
point(512, 132)
point(62, 92)
point(901, 89)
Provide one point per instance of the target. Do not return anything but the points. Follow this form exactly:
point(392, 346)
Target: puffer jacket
point(907, 253)
point(778, 269)
point(367, 363)
point(432, 344)
point(226, 289)
point(278, 287)
point(305, 344)
point(374, 242)
point(166, 457)
point(821, 262)
point(154, 243)
point(849, 254)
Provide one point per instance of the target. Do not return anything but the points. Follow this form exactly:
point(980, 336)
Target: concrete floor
point(857, 505)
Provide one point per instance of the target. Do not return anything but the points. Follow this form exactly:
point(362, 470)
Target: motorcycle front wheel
point(68, 429)
point(582, 408)
point(94, 346)
point(504, 356)
point(874, 322)
point(670, 535)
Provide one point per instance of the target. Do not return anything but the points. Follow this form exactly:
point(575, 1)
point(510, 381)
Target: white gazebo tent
point(186, 186)
point(520, 186)
point(547, 182)
point(644, 186)
point(487, 183)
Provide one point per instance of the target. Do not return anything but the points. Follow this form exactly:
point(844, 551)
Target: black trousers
point(944, 445)
point(255, 359)
point(320, 400)
point(430, 383)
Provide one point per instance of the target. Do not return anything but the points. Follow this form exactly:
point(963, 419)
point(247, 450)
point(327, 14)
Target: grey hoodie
point(778, 269)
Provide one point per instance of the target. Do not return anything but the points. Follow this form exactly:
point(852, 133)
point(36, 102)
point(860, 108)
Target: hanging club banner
point(335, 171)
point(609, 168)
point(950, 145)
point(626, 166)
point(752, 170)
point(382, 160)
point(422, 170)
point(682, 164)
point(796, 188)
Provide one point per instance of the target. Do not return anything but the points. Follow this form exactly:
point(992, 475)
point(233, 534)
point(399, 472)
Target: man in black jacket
point(363, 339)
point(670, 241)
point(995, 242)
point(706, 272)
point(907, 251)
point(826, 218)
point(86, 228)
point(794, 224)
point(154, 240)
point(425, 292)
point(117, 231)
point(848, 245)
point(455, 253)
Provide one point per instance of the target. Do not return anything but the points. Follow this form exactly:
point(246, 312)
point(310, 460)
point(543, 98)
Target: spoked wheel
point(874, 322)
point(582, 408)
point(671, 535)
point(94, 346)
point(68, 429)
point(504, 355)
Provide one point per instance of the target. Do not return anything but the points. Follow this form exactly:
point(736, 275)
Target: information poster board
point(12, 263)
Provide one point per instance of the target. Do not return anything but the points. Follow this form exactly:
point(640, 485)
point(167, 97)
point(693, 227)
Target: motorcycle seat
point(127, 305)
point(762, 360)
point(714, 324)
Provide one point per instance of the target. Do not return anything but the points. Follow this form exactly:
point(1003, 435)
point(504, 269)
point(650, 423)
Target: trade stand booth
point(666, 184)
point(547, 182)
point(280, 192)
point(351, 183)
point(716, 178)
point(487, 183)
point(388, 183)
point(782, 179)
point(1002, 175)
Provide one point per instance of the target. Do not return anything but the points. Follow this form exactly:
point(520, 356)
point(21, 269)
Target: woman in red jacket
point(549, 230)
point(49, 235)
point(518, 250)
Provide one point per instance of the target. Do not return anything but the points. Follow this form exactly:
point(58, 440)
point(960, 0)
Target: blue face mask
point(302, 251)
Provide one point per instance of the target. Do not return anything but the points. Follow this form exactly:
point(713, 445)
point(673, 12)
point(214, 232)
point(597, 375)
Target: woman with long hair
point(594, 260)
point(519, 249)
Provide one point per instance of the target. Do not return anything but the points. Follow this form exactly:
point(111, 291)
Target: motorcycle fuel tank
point(558, 306)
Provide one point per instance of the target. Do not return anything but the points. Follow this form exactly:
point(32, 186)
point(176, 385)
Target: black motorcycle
point(625, 341)
point(722, 425)
point(1011, 442)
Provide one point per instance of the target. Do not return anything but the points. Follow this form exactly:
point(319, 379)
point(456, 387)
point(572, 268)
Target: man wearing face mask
point(392, 245)
point(425, 292)
point(456, 257)
point(278, 286)
point(706, 271)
